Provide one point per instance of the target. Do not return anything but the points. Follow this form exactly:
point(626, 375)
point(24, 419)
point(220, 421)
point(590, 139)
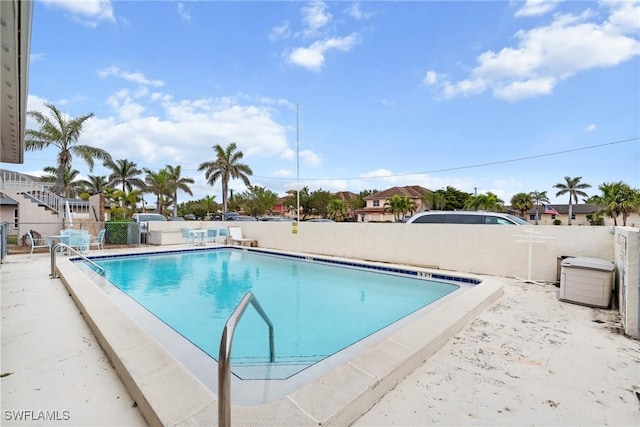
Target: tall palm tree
point(226, 166)
point(62, 133)
point(574, 188)
point(95, 184)
point(70, 187)
point(125, 173)
point(538, 197)
point(522, 203)
point(158, 184)
point(176, 182)
point(617, 198)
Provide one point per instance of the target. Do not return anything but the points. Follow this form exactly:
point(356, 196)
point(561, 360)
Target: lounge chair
point(235, 234)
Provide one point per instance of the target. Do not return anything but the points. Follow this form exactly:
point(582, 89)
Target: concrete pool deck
point(527, 359)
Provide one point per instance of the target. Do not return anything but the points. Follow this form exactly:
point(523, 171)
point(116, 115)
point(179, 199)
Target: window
point(15, 218)
point(429, 219)
point(573, 216)
point(532, 217)
point(376, 203)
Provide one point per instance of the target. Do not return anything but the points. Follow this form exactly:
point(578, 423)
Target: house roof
point(580, 208)
point(7, 201)
point(411, 191)
point(346, 196)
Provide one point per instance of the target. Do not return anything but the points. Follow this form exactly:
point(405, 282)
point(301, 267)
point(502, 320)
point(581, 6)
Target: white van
point(465, 217)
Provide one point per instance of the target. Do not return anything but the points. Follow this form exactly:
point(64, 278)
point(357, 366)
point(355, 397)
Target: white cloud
point(280, 32)
point(184, 12)
point(313, 57)
point(138, 78)
point(547, 55)
point(356, 12)
point(430, 78)
point(537, 7)
point(590, 127)
point(315, 16)
point(86, 12)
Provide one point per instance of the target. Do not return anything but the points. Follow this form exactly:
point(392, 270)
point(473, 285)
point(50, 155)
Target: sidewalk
point(53, 370)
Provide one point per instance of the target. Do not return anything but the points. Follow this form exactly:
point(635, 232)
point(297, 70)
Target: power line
point(478, 165)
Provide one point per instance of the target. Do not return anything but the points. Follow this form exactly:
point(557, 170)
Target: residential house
point(374, 210)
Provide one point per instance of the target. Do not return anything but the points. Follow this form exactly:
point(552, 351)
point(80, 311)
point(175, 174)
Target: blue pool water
point(316, 309)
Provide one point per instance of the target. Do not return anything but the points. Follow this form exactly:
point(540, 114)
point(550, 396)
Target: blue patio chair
point(187, 235)
point(79, 240)
point(223, 235)
point(212, 235)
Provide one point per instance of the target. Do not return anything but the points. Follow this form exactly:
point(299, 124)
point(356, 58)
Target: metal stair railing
point(32, 189)
point(224, 362)
point(54, 250)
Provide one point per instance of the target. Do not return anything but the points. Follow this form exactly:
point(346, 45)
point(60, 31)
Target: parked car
point(241, 218)
point(143, 219)
point(319, 220)
point(465, 217)
point(175, 218)
point(276, 219)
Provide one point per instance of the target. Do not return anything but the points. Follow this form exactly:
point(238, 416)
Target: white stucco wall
point(482, 249)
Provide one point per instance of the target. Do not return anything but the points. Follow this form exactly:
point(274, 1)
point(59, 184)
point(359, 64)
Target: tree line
point(125, 186)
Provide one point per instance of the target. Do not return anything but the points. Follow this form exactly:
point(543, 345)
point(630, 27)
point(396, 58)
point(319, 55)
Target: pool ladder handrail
point(55, 248)
point(224, 362)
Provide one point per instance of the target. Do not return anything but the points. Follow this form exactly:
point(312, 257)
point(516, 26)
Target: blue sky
point(429, 93)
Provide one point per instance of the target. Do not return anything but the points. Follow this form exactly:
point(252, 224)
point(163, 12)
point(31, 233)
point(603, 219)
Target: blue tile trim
point(309, 258)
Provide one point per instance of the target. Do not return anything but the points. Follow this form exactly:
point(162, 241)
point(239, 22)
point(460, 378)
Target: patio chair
point(99, 242)
point(187, 235)
point(235, 234)
point(212, 235)
point(223, 236)
point(37, 242)
point(79, 240)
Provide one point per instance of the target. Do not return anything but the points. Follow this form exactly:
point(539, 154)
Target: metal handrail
point(65, 246)
point(224, 363)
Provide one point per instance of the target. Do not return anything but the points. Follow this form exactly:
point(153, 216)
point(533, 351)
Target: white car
point(465, 217)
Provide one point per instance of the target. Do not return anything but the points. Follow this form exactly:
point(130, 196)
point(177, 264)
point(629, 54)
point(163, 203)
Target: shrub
point(557, 222)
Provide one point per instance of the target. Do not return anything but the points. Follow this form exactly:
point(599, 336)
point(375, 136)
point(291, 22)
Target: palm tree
point(521, 202)
point(158, 184)
point(224, 167)
point(574, 187)
point(70, 187)
point(63, 133)
point(538, 197)
point(486, 202)
point(396, 205)
point(95, 184)
point(176, 182)
point(125, 173)
point(617, 198)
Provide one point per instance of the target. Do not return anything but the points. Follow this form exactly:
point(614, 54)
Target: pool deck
point(528, 358)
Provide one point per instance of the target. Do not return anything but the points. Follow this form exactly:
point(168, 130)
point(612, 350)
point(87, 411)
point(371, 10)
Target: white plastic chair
point(38, 243)
point(79, 240)
point(99, 242)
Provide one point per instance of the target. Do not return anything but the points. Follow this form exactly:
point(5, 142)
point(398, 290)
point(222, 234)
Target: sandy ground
point(528, 360)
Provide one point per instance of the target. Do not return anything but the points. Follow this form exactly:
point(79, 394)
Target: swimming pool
point(317, 308)
point(174, 383)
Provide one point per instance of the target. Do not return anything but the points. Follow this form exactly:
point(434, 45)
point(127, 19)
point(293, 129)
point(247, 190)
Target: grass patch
point(12, 240)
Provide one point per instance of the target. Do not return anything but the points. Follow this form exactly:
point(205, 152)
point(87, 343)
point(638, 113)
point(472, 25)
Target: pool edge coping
point(168, 394)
